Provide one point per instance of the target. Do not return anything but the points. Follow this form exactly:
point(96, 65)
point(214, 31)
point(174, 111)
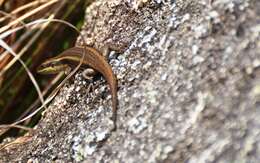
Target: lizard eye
point(53, 64)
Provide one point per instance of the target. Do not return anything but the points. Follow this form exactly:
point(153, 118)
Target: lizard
point(94, 59)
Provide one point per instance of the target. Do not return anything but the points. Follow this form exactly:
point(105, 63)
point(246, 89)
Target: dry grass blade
point(44, 92)
point(11, 31)
point(4, 54)
point(15, 45)
point(62, 83)
point(1, 2)
point(27, 15)
point(20, 140)
point(24, 49)
point(49, 99)
point(11, 16)
point(6, 127)
point(36, 22)
point(32, 40)
point(5, 46)
point(28, 5)
point(24, 7)
point(33, 106)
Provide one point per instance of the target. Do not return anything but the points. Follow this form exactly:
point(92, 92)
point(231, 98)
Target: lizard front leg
point(89, 73)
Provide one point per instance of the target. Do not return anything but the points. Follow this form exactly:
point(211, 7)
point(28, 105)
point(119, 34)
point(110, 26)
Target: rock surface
point(189, 87)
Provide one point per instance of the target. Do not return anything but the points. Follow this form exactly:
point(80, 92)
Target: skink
point(92, 58)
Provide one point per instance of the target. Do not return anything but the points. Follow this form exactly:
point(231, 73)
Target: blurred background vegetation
point(18, 96)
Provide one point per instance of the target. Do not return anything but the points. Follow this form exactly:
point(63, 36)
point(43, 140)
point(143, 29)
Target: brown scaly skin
point(92, 59)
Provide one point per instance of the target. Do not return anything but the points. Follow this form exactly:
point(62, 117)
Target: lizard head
point(53, 66)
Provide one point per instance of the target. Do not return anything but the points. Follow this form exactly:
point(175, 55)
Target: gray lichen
point(188, 74)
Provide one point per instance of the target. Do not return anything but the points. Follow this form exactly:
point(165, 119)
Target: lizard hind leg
point(67, 71)
point(89, 74)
